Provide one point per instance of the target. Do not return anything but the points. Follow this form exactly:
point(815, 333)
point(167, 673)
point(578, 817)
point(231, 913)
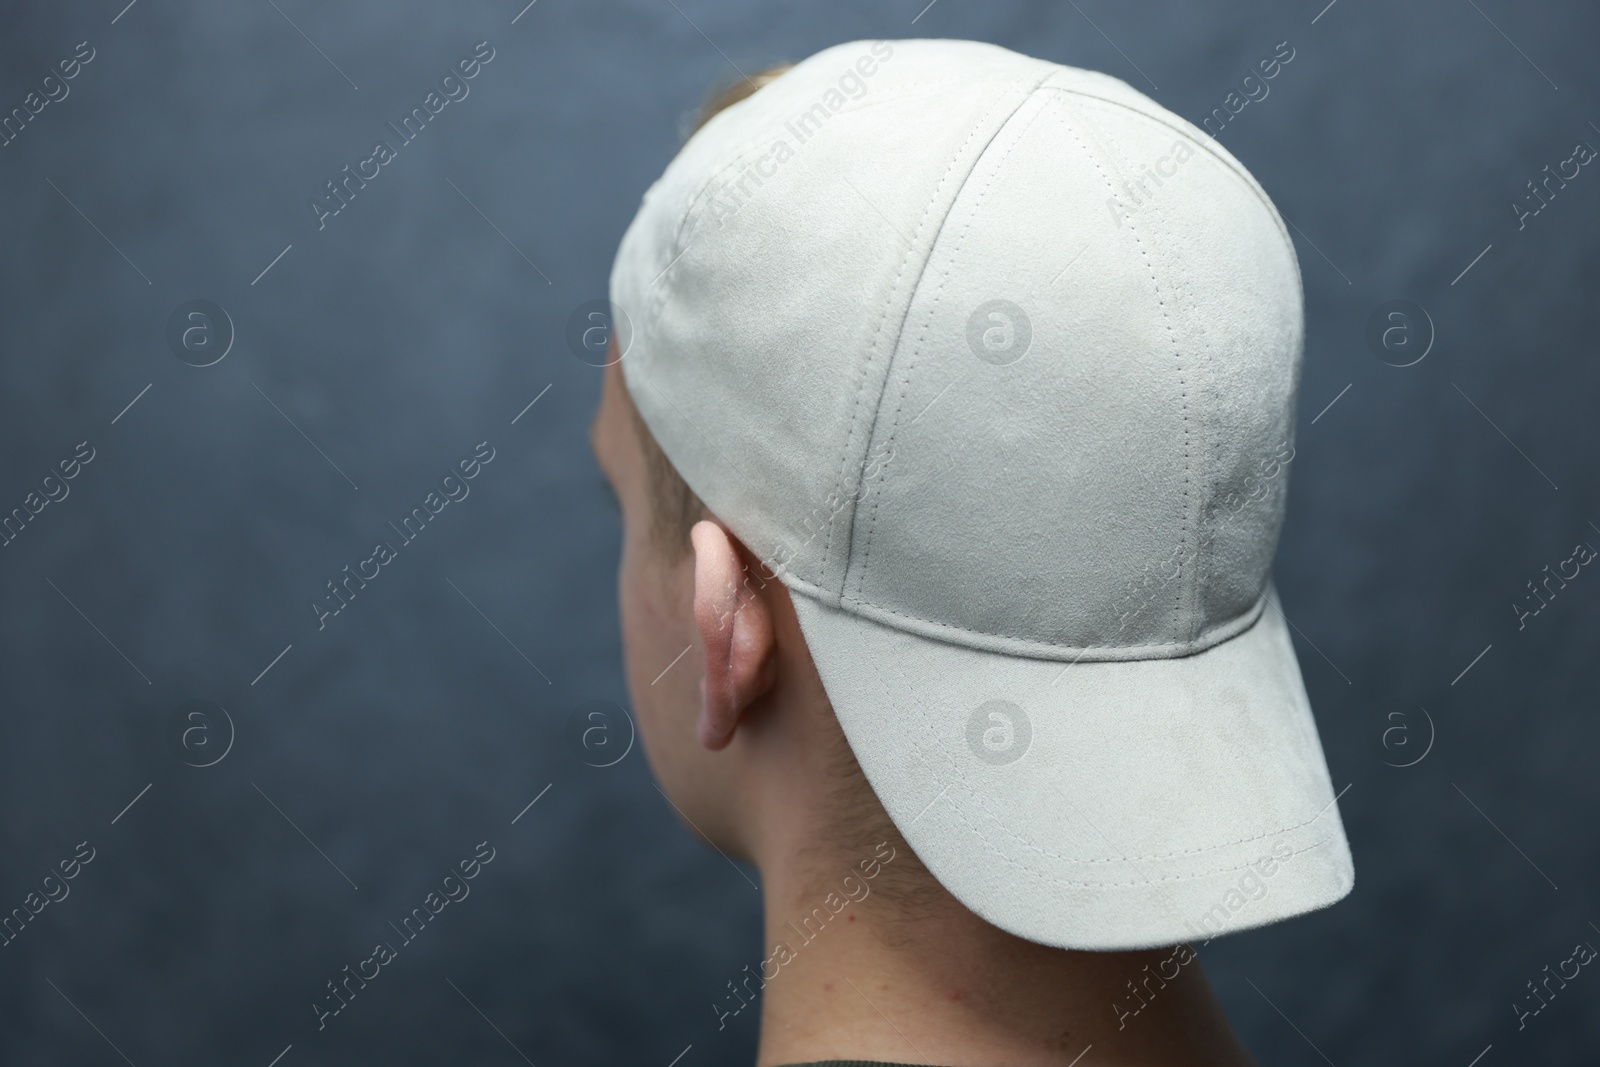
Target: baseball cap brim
point(1095, 805)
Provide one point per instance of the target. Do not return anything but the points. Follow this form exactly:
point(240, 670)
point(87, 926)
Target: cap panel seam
point(751, 145)
point(916, 350)
point(1206, 142)
point(848, 515)
point(1208, 490)
point(1183, 386)
point(656, 294)
point(1203, 454)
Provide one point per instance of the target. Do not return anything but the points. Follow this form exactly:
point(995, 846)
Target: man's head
point(734, 719)
point(718, 670)
point(992, 405)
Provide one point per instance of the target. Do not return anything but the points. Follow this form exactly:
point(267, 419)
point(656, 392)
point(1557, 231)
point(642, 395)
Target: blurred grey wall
point(157, 604)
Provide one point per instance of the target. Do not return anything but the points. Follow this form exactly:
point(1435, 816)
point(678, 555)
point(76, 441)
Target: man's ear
point(735, 624)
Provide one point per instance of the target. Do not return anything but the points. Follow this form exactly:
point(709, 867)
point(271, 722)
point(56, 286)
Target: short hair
point(727, 96)
point(674, 507)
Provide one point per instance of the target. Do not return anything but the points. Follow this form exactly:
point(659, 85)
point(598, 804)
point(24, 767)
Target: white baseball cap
point(994, 361)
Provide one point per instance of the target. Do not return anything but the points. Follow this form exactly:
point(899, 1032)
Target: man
point(949, 414)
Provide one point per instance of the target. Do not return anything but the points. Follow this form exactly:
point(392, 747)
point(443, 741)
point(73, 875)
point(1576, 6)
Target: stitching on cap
point(1040, 876)
point(693, 208)
point(911, 362)
point(1183, 535)
point(938, 738)
point(933, 731)
point(1206, 485)
point(1153, 856)
point(1180, 647)
point(1204, 488)
point(883, 315)
point(1205, 141)
point(754, 145)
point(1206, 534)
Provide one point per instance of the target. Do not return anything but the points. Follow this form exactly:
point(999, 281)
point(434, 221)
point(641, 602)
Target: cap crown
point(980, 346)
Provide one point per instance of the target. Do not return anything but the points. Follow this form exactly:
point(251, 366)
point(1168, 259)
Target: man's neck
point(849, 973)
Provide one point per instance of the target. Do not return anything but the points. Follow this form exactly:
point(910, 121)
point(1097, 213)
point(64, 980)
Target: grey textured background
point(409, 330)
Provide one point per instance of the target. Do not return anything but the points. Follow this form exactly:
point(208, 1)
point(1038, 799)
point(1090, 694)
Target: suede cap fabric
point(993, 361)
